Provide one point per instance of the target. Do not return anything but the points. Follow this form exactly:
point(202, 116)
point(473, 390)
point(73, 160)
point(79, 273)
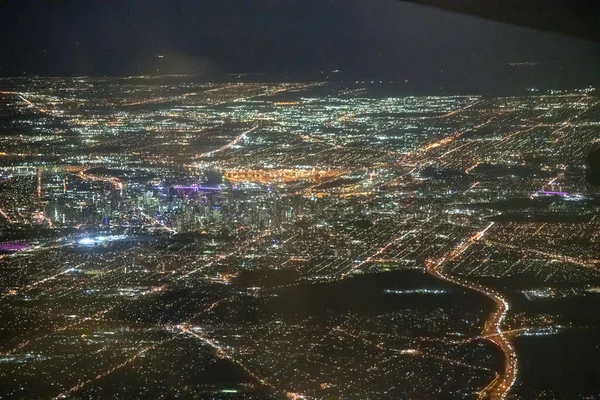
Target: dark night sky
point(367, 39)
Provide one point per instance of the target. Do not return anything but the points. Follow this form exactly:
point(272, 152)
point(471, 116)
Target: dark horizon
point(292, 40)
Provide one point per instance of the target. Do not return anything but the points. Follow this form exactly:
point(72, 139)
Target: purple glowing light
point(181, 187)
point(14, 246)
point(550, 193)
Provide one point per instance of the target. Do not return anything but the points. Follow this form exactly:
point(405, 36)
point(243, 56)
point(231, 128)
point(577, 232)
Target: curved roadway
point(499, 388)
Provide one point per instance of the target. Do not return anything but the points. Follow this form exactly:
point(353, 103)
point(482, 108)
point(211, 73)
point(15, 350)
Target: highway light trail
point(591, 264)
point(450, 139)
point(378, 252)
point(5, 215)
point(222, 353)
point(460, 110)
point(500, 387)
point(37, 283)
point(63, 328)
point(230, 144)
point(66, 394)
point(409, 352)
point(222, 257)
point(132, 359)
point(102, 312)
point(28, 102)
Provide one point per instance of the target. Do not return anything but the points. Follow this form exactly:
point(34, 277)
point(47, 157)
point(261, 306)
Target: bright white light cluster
point(90, 241)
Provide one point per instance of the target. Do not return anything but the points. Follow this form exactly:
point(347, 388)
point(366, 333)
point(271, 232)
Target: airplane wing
point(580, 18)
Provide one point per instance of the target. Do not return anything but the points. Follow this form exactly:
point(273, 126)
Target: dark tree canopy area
point(593, 167)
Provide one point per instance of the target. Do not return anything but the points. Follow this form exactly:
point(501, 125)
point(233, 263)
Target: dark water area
point(575, 311)
point(367, 294)
point(363, 296)
point(563, 366)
